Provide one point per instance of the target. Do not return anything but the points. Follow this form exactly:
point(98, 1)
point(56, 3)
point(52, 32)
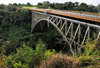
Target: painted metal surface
point(74, 32)
point(81, 15)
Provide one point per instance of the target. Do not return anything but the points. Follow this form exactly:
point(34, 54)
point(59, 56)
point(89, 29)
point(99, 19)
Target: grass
point(27, 7)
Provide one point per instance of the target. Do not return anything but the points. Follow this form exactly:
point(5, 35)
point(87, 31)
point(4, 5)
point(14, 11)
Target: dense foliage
point(19, 48)
point(16, 40)
point(75, 6)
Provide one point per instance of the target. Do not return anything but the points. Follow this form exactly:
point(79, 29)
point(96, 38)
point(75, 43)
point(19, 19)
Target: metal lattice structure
point(75, 33)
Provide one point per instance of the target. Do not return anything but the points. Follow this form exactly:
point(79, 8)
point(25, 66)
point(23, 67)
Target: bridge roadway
point(79, 15)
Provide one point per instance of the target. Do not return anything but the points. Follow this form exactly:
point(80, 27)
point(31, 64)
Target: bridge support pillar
point(33, 24)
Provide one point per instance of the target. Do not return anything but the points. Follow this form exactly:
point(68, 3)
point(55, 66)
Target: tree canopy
point(75, 6)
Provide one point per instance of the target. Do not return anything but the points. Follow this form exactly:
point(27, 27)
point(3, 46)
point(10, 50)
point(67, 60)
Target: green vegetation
point(75, 6)
point(21, 49)
point(91, 55)
point(18, 47)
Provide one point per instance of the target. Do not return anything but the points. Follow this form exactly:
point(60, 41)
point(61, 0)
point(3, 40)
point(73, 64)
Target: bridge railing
point(75, 14)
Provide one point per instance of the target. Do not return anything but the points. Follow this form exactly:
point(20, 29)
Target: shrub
point(41, 53)
point(91, 54)
point(15, 36)
point(85, 60)
point(19, 65)
point(11, 8)
point(49, 53)
point(26, 57)
point(92, 49)
point(38, 54)
point(60, 61)
point(3, 59)
point(23, 56)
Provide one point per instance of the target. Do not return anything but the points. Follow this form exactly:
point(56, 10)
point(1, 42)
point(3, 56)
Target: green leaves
point(22, 57)
point(49, 53)
point(25, 56)
point(40, 47)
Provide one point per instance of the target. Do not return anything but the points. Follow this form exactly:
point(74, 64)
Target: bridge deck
point(79, 15)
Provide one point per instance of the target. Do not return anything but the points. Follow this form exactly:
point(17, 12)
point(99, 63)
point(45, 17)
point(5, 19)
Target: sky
point(34, 2)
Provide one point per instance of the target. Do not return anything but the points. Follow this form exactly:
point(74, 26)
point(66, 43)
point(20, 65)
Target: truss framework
point(75, 33)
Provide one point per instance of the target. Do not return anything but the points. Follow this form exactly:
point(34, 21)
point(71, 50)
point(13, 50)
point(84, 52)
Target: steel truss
point(75, 33)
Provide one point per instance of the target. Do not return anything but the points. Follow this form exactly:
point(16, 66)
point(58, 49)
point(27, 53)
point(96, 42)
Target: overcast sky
point(34, 2)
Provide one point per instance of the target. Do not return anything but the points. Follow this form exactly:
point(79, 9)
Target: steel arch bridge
point(75, 33)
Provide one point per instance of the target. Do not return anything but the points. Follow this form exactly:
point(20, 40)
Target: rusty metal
point(84, 15)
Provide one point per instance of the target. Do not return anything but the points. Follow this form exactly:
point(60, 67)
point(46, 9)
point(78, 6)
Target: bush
point(85, 60)
point(49, 53)
point(92, 49)
point(38, 54)
point(8, 47)
point(23, 56)
point(26, 57)
point(60, 61)
point(91, 55)
point(41, 53)
point(3, 59)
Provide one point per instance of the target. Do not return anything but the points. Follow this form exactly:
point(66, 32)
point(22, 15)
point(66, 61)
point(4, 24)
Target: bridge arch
point(55, 26)
point(74, 32)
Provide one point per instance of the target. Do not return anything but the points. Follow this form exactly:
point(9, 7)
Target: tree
point(46, 2)
point(28, 4)
point(56, 6)
point(91, 8)
point(69, 6)
point(76, 4)
point(15, 4)
point(2, 6)
point(12, 8)
point(52, 5)
point(40, 4)
point(83, 7)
